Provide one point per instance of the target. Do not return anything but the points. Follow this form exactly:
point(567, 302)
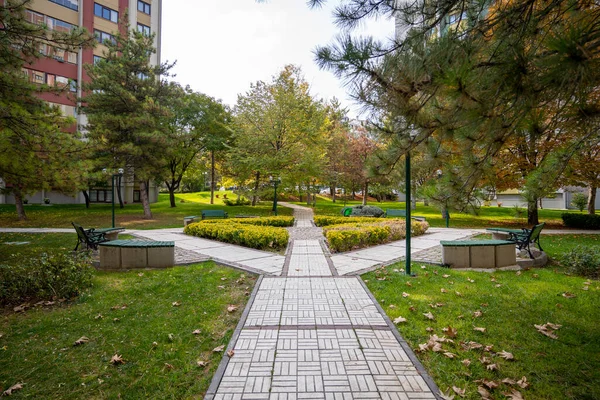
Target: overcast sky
point(223, 46)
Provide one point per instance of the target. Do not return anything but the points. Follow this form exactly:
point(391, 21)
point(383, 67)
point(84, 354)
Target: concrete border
point(409, 352)
point(220, 372)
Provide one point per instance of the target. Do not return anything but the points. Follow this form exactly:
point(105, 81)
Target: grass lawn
point(130, 314)
point(99, 215)
point(511, 303)
point(488, 216)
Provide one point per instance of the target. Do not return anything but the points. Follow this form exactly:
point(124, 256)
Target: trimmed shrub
point(351, 236)
point(367, 211)
point(47, 277)
point(278, 221)
point(581, 221)
point(243, 234)
point(584, 261)
point(237, 202)
point(325, 220)
point(579, 200)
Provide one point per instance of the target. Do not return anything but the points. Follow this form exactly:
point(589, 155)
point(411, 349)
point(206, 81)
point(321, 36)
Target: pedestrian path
point(312, 334)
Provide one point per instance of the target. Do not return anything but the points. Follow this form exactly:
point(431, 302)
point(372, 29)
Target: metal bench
point(214, 214)
point(390, 212)
point(521, 237)
point(188, 220)
point(126, 254)
point(478, 253)
point(91, 238)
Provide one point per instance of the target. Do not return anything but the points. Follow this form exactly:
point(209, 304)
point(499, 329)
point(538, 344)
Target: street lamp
point(445, 212)
point(119, 174)
point(413, 134)
point(275, 182)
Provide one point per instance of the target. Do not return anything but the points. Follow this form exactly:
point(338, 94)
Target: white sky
point(221, 46)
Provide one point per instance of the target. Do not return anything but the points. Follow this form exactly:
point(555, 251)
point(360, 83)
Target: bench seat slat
point(461, 243)
point(138, 243)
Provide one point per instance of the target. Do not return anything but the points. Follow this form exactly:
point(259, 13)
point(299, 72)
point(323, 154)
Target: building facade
point(58, 67)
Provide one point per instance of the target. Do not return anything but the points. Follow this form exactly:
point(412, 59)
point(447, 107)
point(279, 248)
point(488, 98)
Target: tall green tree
point(36, 152)
point(128, 112)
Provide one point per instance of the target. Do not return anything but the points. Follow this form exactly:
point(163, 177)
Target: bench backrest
point(534, 234)
point(214, 213)
point(395, 213)
point(80, 231)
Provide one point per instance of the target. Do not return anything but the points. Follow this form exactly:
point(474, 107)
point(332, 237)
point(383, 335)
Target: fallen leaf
point(81, 340)
point(171, 337)
point(429, 329)
point(230, 353)
point(484, 304)
point(498, 285)
point(408, 284)
point(450, 355)
point(218, 349)
point(168, 366)
point(477, 314)
point(392, 306)
point(514, 395)
point(466, 362)
point(493, 279)
point(201, 363)
point(585, 288)
point(443, 290)
point(117, 359)
point(446, 396)
point(196, 332)
point(489, 347)
point(459, 391)
point(523, 382)
point(13, 388)
point(221, 287)
point(445, 276)
point(399, 320)
point(509, 381)
point(553, 326)
point(429, 316)
point(518, 273)
point(587, 283)
point(232, 308)
point(459, 294)
point(176, 304)
point(99, 316)
point(141, 274)
point(568, 295)
point(492, 367)
point(435, 272)
point(223, 279)
point(116, 319)
point(489, 384)
point(460, 316)
point(485, 360)
point(506, 355)
point(404, 294)
point(423, 347)
point(20, 308)
point(535, 275)
point(439, 304)
point(154, 344)
point(479, 329)
point(470, 280)
point(450, 331)
point(412, 308)
point(472, 346)
point(483, 393)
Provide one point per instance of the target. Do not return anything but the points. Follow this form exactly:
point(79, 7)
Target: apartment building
point(62, 68)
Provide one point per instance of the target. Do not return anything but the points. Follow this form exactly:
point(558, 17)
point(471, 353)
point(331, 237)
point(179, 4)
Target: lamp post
point(275, 182)
point(315, 190)
point(119, 174)
point(445, 212)
point(408, 210)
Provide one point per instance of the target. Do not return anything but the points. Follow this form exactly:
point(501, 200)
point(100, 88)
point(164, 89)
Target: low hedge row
point(243, 234)
point(325, 220)
point(351, 236)
point(581, 221)
point(47, 277)
point(280, 221)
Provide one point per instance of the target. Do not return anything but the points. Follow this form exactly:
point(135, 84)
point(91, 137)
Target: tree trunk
point(332, 192)
point(532, 212)
point(145, 201)
point(212, 177)
point(86, 196)
point(172, 196)
point(119, 196)
point(19, 204)
point(426, 202)
point(365, 193)
point(591, 206)
point(256, 183)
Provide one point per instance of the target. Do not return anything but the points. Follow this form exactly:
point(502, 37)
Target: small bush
point(579, 200)
point(279, 221)
point(324, 220)
point(584, 261)
point(351, 236)
point(47, 277)
point(367, 211)
point(237, 202)
point(581, 221)
point(256, 237)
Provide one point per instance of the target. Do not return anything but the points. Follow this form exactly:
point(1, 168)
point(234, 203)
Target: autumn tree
point(127, 108)
point(584, 170)
point(36, 151)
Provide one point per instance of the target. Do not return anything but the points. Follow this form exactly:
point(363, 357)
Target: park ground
point(149, 317)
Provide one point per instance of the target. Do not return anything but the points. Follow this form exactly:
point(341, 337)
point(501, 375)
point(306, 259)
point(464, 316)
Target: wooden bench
point(521, 237)
point(478, 253)
point(390, 212)
point(91, 238)
point(214, 214)
point(188, 220)
point(126, 254)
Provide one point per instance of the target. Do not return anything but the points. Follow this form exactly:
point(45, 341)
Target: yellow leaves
point(81, 341)
point(117, 359)
point(548, 329)
point(13, 388)
point(399, 320)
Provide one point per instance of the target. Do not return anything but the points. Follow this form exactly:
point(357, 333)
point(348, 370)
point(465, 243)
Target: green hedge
point(324, 220)
point(581, 221)
point(243, 234)
point(47, 277)
point(584, 261)
point(346, 237)
point(280, 221)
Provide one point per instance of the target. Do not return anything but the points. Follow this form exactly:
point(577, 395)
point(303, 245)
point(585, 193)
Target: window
point(59, 54)
point(106, 13)
point(103, 36)
point(71, 57)
point(43, 49)
point(97, 59)
point(50, 79)
point(143, 29)
point(34, 18)
point(72, 4)
point(73, 85)
point(38, 77)
point(143, 7)
point(58, 25)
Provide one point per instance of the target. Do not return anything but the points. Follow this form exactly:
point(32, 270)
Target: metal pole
point(408, 209)
point(113, 201)
point(275, 198)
